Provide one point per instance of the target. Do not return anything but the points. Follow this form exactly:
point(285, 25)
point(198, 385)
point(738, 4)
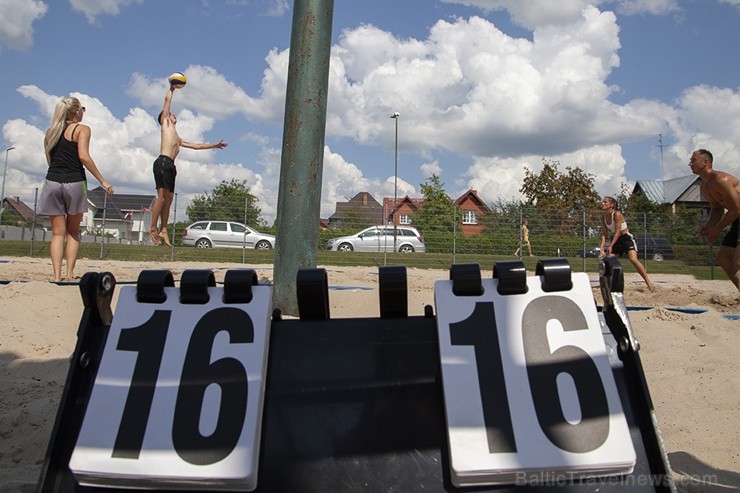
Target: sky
point(485, 89)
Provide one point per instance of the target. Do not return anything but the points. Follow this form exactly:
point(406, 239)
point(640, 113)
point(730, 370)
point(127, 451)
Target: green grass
point(142, 253)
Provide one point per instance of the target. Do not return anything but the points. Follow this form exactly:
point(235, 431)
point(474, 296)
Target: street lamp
point(2, 193)
point(395, 116)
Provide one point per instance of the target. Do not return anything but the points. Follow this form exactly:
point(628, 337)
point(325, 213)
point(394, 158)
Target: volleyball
point(178, 79)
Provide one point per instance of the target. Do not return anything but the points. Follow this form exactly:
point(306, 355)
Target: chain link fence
point(668, 243)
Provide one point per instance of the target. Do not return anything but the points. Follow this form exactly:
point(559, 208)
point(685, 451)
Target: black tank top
point(66, 166)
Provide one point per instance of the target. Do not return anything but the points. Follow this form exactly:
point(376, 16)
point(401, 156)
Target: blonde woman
point(622, 241)
point(64, 193)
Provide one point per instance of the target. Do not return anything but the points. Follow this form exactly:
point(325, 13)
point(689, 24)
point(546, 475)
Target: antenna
point(661, 145)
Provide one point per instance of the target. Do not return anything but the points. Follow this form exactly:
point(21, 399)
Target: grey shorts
point(61, 199)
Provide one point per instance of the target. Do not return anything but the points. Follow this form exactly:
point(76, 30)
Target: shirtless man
point(723, 192)
point(165, 171)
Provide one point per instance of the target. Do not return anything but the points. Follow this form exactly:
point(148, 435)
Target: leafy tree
point(566, 193)
point(437, 212)
point(228, 201)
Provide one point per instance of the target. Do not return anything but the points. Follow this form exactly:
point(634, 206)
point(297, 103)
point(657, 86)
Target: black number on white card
point(198, 373)
point(148, 340)
point(476, 331)
point(543, 367)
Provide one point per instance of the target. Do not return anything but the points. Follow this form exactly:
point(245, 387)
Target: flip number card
point(177, 401)
point(529, 392)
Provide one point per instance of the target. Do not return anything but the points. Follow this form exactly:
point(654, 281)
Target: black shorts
point(730, 239)
point(624, 244)
point(165, 173)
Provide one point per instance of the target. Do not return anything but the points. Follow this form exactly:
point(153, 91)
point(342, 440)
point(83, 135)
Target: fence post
point(244, 238)
point(454, 233)
point(102, 236)
point(174, 230)
point(33, 231)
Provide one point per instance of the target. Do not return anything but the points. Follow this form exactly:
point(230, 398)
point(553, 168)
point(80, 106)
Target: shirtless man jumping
point(723, 192)
point(165, 171)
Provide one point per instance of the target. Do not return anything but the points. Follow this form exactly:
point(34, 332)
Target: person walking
point(723, 192)
point(165, 171)
point(64, 193)
point(524, 239)
point(622, 241)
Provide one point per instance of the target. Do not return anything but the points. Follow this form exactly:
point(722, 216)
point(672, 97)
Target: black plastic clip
point(238, 285)
point(466, 280)
point(512, 277)
point(393, 289)
point(150, 286)
point(555, 274)
point(194, 284)
point(312, 290)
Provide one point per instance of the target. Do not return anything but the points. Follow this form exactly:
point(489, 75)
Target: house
point(360, 211)
point(472, 209)
point(125, 216)
point(17, 213)
point(403, 210)
point(676, 193)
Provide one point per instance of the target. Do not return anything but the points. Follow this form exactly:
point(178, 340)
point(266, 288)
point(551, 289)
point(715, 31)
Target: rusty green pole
point(301, 165)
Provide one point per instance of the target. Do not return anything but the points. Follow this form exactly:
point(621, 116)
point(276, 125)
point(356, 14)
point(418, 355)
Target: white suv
point(380, 239)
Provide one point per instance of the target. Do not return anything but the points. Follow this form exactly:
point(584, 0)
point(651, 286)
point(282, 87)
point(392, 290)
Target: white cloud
point(533, 14)
point(16, 22)
point(94, 8)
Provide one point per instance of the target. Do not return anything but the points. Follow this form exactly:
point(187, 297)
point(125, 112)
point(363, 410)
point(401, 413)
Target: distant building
point(123, 216)
point(472, 209)
point(674, 194)
point(360, 211)
point(17, 213)
point(402, 212)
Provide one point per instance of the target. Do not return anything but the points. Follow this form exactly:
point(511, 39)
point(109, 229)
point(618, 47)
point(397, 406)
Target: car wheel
point(658, 256)
point(406, 249)
point(263, 245)
point(203, 243)
point(345, 247)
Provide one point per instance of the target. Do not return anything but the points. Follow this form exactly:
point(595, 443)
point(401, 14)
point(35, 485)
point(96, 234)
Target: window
point(218, 226)
point(237, 228)
point(470, 217)
point(404, 219)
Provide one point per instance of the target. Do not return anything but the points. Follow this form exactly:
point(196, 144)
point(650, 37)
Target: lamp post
point(395, 116)
point(2, 193)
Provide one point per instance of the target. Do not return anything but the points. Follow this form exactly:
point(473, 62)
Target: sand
point(690, 359)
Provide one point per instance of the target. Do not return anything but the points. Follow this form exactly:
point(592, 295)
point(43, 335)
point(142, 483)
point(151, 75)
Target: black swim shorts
point(165, 173)
point(730, 239)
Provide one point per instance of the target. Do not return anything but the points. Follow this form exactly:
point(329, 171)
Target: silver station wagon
point(208, 234)
point(380, 239)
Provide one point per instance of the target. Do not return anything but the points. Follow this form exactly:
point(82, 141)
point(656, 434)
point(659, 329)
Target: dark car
point(657, 249)
point(654, 248)
point(592, 252)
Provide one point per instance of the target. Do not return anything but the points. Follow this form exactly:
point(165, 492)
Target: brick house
point(472, 209)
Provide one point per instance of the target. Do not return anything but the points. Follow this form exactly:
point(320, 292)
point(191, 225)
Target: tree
point(228, 201)
point(437, 212)
point(566, 193)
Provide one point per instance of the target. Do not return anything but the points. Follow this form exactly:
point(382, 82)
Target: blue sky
point(484, 88)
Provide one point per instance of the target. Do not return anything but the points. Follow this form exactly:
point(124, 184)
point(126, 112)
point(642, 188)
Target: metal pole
point(302, 159)
point(105, 209)
point(395, 116)
point(174, 230)
point(2, 193)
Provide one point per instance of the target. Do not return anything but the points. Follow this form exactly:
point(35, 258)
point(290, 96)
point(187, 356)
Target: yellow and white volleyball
point(177, 80)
